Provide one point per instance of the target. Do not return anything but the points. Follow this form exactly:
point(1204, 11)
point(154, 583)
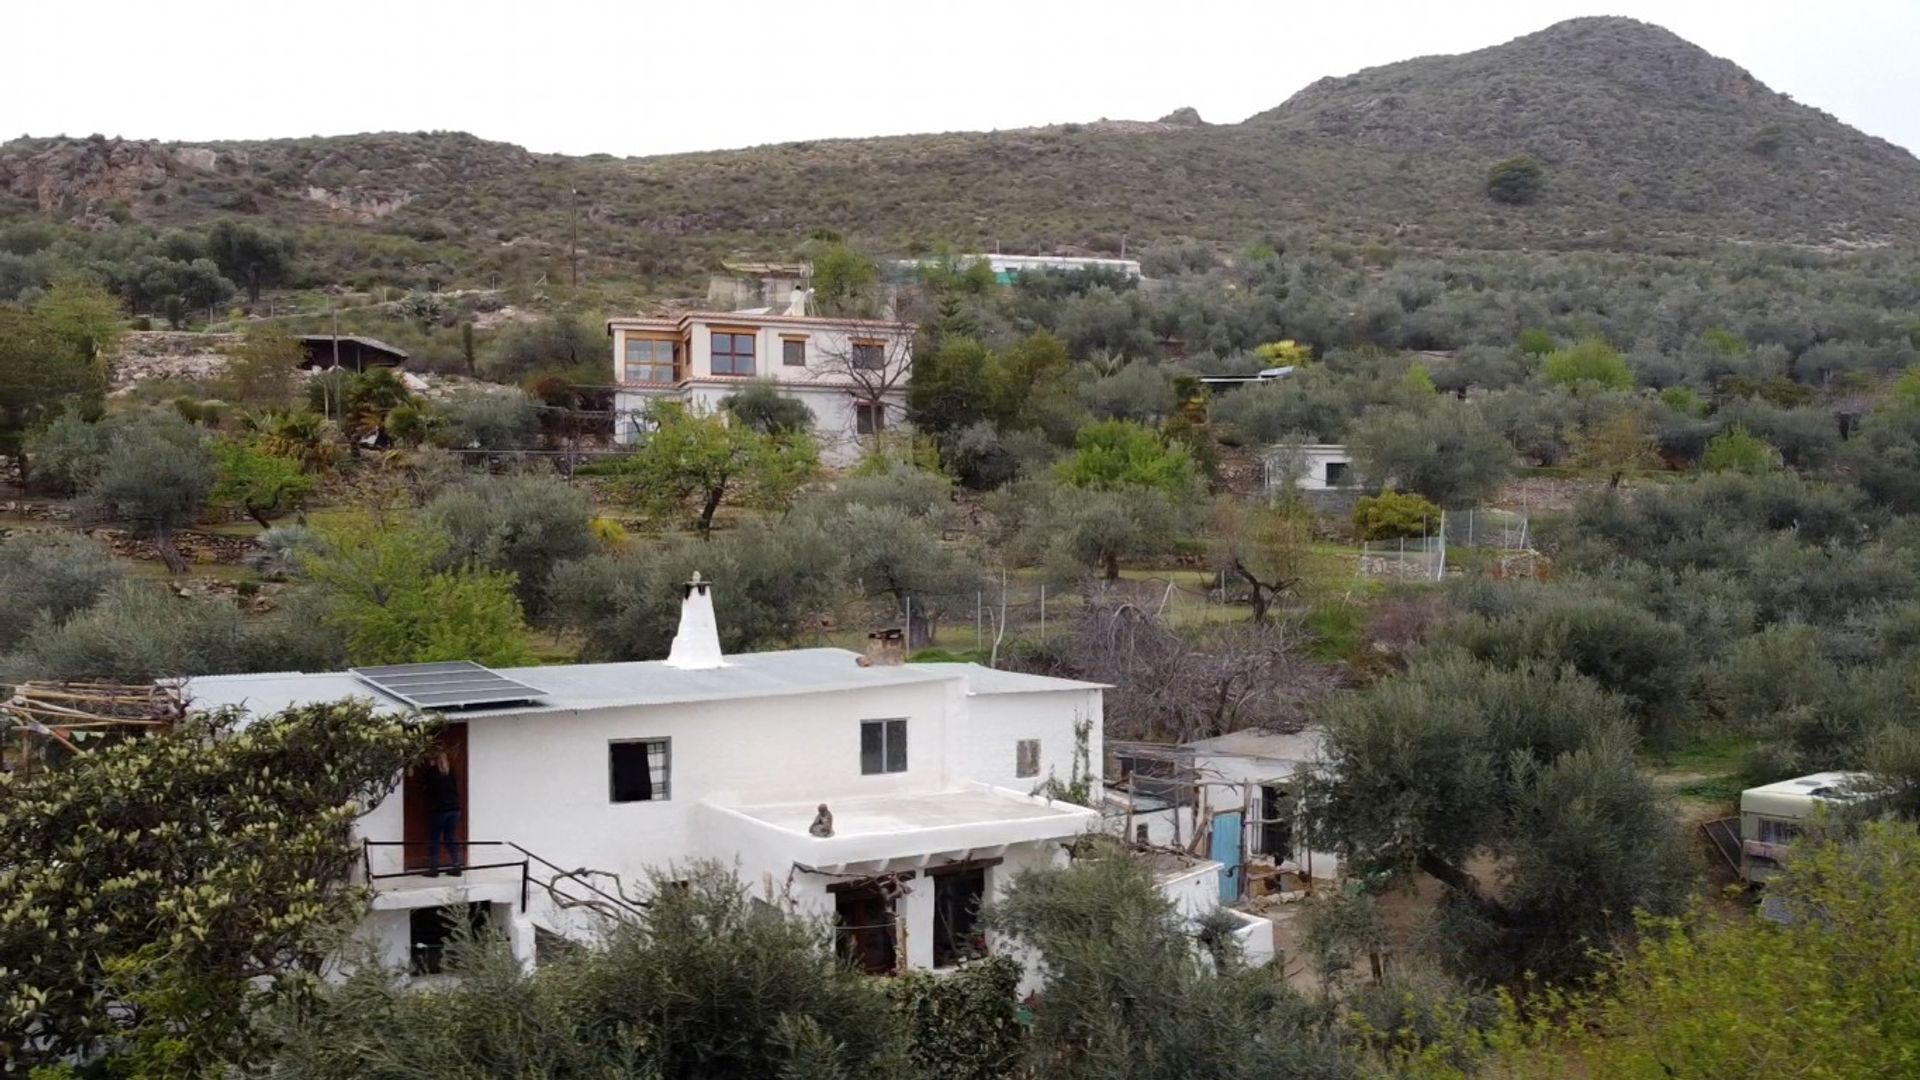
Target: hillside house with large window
point(852, 373)
point(895, 799)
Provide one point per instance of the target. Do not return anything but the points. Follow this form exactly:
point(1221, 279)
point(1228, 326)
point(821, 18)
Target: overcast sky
point(645, 76)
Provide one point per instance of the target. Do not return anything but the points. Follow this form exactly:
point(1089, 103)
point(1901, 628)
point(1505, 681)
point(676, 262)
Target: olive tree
point(1131, 990)
point(771, 588)
point(706, 981)
point(524, 525)
point(1447, 453)
point(51, 575)
point(154, 473)
point(1530, 764)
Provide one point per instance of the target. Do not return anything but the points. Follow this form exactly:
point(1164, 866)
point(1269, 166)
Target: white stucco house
point(852, 373)
point(578, 780)
point(1310, 467)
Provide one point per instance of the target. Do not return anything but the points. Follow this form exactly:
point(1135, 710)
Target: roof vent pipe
point(697, 645)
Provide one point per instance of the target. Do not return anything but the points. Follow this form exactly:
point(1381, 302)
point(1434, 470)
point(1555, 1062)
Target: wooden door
point(864, 924)
point(413, 796)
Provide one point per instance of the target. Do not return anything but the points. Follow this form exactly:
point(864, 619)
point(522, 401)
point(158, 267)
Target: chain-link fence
point(1462, 531)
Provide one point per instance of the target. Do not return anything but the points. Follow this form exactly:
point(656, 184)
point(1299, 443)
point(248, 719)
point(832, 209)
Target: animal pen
point(1159, 798)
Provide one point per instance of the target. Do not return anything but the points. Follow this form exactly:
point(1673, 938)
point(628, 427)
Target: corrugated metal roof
point(1254, 743)
point(985, 680)
point(579, 687)
point(365, 342)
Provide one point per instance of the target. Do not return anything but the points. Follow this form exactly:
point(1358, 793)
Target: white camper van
point(1774, 815)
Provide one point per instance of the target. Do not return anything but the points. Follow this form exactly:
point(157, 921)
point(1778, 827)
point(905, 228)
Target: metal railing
point(557, 886)
point(462, 868)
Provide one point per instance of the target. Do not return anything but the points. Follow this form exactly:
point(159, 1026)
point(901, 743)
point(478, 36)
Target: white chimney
point(697, 645)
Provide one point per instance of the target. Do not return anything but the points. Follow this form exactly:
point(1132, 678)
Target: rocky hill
point(1646, 142)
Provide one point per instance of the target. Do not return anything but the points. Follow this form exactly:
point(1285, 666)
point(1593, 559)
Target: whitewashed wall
point(985, 748)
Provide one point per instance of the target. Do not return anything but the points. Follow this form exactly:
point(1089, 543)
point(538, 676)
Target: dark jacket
point(442, 790)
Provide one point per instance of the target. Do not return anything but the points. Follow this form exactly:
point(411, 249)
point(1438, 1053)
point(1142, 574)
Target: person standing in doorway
point(442, 789)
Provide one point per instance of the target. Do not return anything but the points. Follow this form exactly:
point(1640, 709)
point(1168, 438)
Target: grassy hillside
point(1648, 143)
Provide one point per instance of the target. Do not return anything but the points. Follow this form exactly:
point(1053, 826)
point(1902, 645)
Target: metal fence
point(1425, 557)
point(1029, 611)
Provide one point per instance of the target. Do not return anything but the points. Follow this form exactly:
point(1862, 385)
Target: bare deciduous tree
point(870, 359)
point(1173, 687)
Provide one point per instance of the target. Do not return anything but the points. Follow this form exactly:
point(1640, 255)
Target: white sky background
point(647, 76)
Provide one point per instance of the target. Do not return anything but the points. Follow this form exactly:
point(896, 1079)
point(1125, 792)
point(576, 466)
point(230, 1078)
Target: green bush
point(1591, 362)
point(964, 1024)
point(1739, 450)
point(1394, 514)
point(1516, 180)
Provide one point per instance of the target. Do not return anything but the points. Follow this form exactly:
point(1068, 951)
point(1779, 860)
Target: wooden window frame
point(794, 339)
point(753, 358)
point(853, 354)
point(674, 364)
point(871, 414)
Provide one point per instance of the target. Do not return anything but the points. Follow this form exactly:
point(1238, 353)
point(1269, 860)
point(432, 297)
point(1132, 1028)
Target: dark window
point(650, 360)
point(1276, 824)
point(869, 417)
point(1336, 474)
point(1026, 757)
point(732, 353)
point(638, 770)
point(430, 928)
point(883, 746)
point(793, 352)
point(956, 916)
point(869, 356)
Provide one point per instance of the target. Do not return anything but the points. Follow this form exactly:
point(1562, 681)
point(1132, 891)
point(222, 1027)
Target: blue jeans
point(441, 827)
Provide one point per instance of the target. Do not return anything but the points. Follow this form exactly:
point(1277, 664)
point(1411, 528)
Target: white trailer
point(1774, 815)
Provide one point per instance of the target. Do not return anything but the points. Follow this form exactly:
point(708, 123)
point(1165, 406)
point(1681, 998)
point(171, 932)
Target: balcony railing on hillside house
point(565, 887)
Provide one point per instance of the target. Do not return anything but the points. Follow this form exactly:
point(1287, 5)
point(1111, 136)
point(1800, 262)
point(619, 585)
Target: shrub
point(1516, 180)
point(964, 1024)
point(1739, 450)
point(486, 419)
point(1591, 362)
point(1394, 514)
point(49, 576)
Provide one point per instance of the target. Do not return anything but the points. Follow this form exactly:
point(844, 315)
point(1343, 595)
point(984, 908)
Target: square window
point(793, 352)
point(883, 746)
point(1336, 474)
point(869, 417)
point(732, 353)
point(1026, 758)
point(638, 770)
point(869, 356)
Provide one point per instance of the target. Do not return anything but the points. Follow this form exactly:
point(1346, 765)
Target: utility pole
point(573, 236)
point(336, 348)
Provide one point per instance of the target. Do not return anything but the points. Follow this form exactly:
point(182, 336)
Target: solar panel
point(450, 684)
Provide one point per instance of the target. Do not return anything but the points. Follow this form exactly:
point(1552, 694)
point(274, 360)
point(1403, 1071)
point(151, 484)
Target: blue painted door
point(1227, 837)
